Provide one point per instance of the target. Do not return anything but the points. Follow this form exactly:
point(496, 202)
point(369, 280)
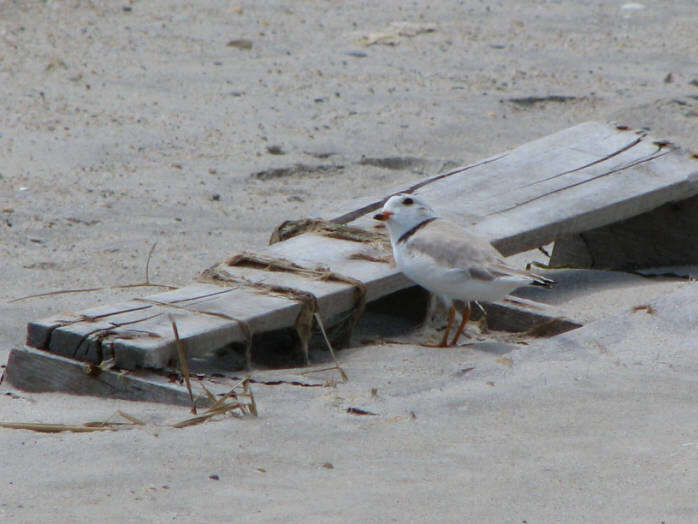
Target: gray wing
point(459, 250)
point(452, 246)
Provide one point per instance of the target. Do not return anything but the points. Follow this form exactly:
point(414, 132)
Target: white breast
point(452, 283)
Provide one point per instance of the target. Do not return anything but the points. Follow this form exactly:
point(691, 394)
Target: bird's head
point(403, 212)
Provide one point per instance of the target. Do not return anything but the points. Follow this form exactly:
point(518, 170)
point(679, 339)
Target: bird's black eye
point(408, 201)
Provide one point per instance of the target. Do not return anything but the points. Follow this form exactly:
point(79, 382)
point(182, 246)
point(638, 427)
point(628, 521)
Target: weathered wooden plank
point(208, 318)
point(586, 176)
point(542, 190)
point(630, 192)
point(545, 159)
point(139, 334)
point(665, 236)
point(338, 255)
point(33, 370)
point(82, 340)
point(524, 316)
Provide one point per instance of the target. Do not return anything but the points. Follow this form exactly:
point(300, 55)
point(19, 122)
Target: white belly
point(453, 284)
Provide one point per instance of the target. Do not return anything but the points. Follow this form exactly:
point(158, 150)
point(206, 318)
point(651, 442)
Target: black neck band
point(409, 233)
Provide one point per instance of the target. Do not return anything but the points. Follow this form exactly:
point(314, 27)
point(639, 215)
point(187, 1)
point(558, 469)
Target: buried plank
point(583, 177)
point(665, 236)
point(658, 334)
point(525, 316)
point(34, 370)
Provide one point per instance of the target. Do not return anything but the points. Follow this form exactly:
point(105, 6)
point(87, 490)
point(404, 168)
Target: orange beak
point(383, 216)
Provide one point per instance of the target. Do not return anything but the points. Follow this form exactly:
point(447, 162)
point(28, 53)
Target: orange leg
point(451, 317)
point(461, 327)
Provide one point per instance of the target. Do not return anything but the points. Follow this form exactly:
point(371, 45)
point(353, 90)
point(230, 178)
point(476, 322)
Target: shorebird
point(447, 260)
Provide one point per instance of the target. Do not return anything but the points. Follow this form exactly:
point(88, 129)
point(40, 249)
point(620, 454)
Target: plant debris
point(240, 43)
point(359, 411)
point(235, 402)
point(646, 308)
point(529, 101)
point(183, 363)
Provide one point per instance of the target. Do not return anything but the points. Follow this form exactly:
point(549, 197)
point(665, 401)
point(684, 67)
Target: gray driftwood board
point(31, 369)
point(666, 236)
point(665, 318)
point(581, 178)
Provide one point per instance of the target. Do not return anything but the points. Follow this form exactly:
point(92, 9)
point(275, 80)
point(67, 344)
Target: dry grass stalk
point(248, 392)
point(131, 418)
point(369, 257)
point(183, 363)
point(230, 403)
point(224, 408)
point(336, 366)
point(147, 283)
point(87, 427)
point(88, 290)
point(56, 428)
point(209, 395)
point(223, 405)
point(147, 262)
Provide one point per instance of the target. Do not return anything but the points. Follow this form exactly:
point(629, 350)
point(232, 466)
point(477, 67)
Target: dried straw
point(230, 403)
point(183, 363)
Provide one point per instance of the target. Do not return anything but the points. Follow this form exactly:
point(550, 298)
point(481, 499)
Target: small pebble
point(275, 150)
point(240, 43)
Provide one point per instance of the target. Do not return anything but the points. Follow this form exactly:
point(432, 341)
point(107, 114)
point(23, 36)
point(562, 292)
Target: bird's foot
point(424, 345)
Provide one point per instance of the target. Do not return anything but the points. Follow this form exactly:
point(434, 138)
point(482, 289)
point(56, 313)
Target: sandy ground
point(129, 123)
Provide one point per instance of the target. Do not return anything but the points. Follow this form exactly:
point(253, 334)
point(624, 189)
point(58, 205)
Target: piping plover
point(447, 260)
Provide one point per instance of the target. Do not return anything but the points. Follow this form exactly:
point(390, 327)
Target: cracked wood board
point(587, 176)
point(577, 179)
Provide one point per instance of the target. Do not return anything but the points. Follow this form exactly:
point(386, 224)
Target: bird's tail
point(542, 281)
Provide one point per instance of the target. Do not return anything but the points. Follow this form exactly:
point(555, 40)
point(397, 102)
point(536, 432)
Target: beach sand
point(203, 126)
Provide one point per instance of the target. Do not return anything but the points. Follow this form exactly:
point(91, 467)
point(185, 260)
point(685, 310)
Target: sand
point(125, 124)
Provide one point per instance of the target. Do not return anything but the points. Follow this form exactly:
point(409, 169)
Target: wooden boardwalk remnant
point(257, 306)
point(665, 236)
